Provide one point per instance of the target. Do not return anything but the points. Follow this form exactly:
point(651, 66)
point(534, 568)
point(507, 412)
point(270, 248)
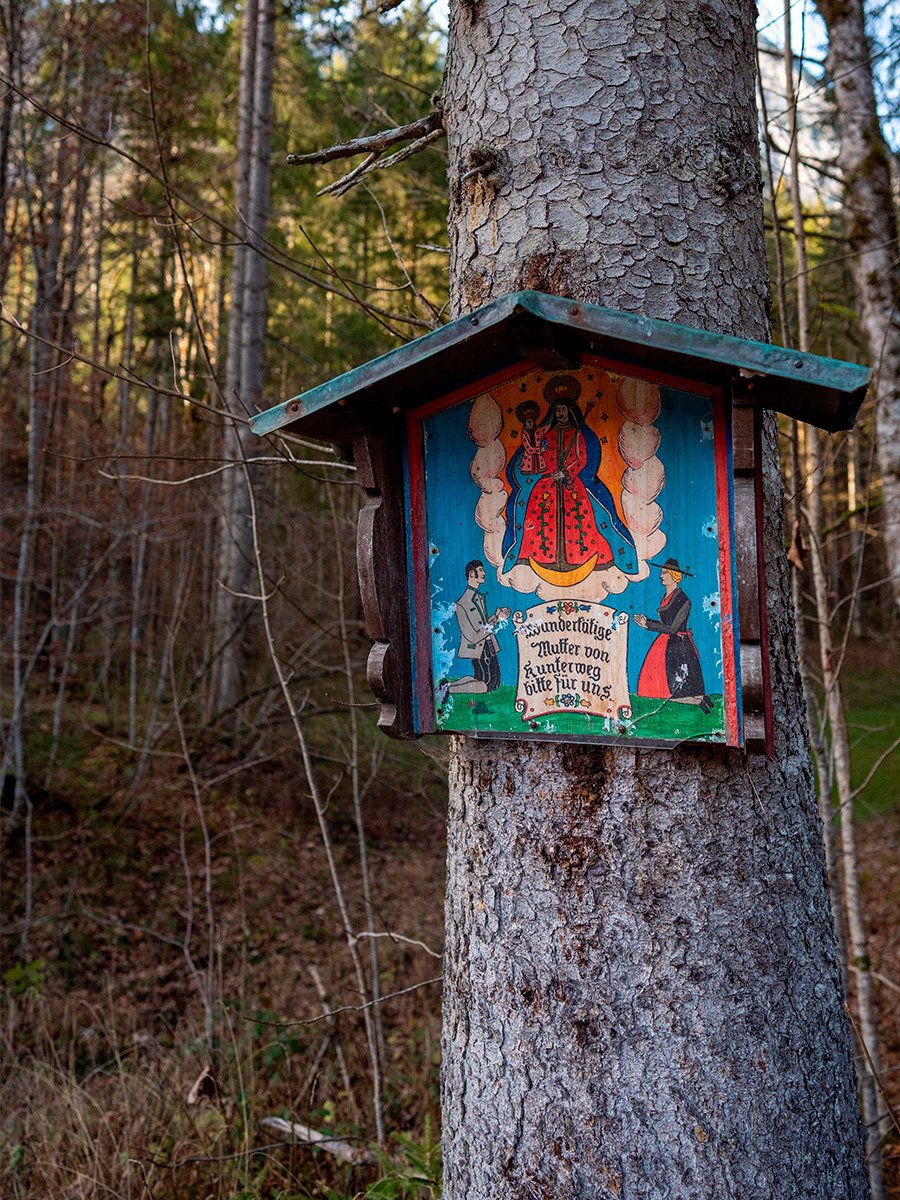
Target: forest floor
point(178, 929)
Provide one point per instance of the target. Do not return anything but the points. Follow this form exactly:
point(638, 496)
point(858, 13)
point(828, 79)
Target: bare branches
point(419, 134)
point(374, 143)
point(398, 937)
point(270, 252)
point(350, 1008)
point(123, 376)
point(302, 1135)
point(319, 805)
point(272, 459)
point(874, 769)
point(385, 224)
point(342, 186)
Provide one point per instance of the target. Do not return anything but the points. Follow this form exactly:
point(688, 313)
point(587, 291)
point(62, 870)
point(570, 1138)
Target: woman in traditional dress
point(671, 670)
point(561, 518)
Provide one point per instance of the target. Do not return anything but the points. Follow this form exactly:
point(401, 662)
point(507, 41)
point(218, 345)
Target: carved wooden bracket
point(381, 562)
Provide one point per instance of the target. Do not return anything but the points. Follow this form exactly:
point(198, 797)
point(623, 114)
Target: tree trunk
point(254, 316)
point(834, 704)
point(11, 28)
point(246, 334)
point(46, 241)
point(642, 993)
point(872, 231)
point(868, 1055)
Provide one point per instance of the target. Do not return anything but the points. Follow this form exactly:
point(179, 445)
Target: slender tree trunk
point(642, 994)
point(354, 752)
point(857, 531)
point(11, 27)
point(128, 353)
point(97, 377)
point(60, 699)
point(834, 705)
point(254, 312)
point(246, 335)
point(868, 1061)
point(800, 474)
point(242, 196)
point(46, 236)
point(872, 231)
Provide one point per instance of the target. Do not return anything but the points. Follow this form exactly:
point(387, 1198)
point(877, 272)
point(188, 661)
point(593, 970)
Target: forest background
point(222, 887)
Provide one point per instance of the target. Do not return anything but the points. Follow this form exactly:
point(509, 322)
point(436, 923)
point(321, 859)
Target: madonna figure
point(561, 518)
point(671, 670)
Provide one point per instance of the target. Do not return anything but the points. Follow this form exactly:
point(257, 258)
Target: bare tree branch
point(375, 143)
point(341, 186)
point(302, 1135)
point(349, 1008)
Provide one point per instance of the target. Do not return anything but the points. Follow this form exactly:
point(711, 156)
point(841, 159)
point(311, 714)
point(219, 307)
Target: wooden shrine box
point(563, 532)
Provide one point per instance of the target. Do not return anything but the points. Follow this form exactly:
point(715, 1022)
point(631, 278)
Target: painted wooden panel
point(571, 544)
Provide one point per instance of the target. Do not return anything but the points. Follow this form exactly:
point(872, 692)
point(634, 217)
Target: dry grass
point(104, 1028)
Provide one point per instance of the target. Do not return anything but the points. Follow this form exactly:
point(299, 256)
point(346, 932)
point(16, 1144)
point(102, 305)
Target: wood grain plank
point(746, 558)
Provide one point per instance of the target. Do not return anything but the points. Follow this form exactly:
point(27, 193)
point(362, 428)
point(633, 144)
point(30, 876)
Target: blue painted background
point(688, 501)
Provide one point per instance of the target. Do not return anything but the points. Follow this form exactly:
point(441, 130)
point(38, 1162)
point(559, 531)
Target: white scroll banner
point(573, 657)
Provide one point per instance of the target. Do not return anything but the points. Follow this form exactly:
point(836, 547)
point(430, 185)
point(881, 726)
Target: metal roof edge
point(704, 344)
point(722, 350)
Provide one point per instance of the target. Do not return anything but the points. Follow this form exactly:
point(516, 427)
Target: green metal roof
point(552, 330)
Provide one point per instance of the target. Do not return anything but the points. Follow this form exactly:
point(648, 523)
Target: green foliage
point(276, 1044)
point(24, 979)
point(872, 698)
point(833, 323)
point(15, 1159)
point(157, 317)
point(873, 731)
point(411, 1172)
point(340, 79)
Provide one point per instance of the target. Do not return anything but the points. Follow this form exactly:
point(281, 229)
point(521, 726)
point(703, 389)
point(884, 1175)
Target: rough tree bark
point(872, 229)
point(642, 993)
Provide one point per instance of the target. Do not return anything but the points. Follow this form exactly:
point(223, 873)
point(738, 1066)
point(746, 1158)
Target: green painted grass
point(495, 712)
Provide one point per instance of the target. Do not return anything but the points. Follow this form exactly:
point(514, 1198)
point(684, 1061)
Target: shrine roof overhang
point(552, 331)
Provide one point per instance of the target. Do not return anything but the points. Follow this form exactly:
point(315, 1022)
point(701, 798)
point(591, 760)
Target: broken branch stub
point(373, 143)
point(343, 185)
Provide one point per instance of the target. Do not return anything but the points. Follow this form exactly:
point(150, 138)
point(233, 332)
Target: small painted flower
point(710, 527)
point(711, 605)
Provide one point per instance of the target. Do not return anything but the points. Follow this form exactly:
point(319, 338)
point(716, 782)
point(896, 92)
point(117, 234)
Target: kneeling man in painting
point(477, 642)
